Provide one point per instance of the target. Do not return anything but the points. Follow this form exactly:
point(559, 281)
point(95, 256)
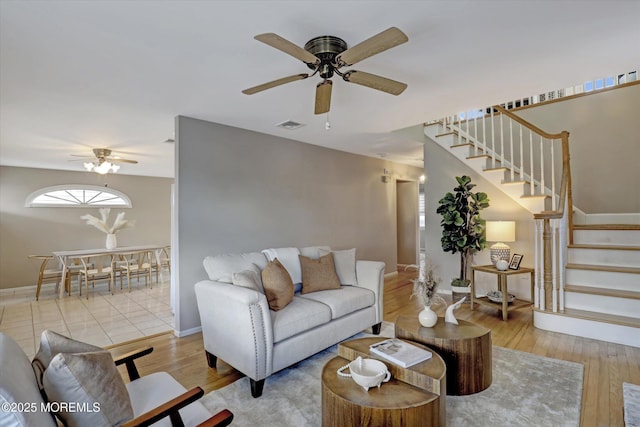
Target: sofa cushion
point(221, 267)
point(318, 274)
point(18, 386)
point(150, 391)
point(52, 343)
point(343, 301)
point(345, 262)
point(90, 381)
point(299, 316)
point(289, 259)
point(278, 287)
point(250, 278)
point(314, 251)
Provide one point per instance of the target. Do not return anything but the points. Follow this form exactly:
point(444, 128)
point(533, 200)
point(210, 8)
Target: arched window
point(78, 195)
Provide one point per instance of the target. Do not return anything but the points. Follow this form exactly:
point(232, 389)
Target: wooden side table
point(502, 287)
point(414, 396)
point(465, 347)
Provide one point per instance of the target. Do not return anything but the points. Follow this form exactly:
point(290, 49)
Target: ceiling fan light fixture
point(101, 168)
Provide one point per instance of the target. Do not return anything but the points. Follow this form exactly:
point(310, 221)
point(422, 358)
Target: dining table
point(66, 256)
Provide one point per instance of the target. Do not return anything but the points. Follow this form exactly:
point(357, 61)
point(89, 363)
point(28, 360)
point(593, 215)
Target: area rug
point(631, 396)
point(527, 390)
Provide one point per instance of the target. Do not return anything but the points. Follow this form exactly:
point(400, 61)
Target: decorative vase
point(112, 243)
point(427, 317)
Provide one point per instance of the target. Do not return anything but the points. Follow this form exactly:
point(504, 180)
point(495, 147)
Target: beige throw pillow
point(278, 286)
point(318, 274)
point(52, 343)
point(92, 384)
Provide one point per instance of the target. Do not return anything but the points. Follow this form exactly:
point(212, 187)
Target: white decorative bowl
point(369, 373)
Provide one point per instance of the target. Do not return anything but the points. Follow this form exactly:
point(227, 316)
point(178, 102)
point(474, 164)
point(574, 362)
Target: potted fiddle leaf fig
point(463, 230)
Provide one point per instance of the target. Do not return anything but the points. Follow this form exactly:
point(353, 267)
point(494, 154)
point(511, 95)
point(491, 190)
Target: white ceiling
point(76, 75)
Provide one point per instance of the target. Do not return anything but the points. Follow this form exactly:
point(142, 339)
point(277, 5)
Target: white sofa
point(239, 327)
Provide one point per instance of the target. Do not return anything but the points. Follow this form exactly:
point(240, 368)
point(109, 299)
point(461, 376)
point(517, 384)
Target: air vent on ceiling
point(290, 125)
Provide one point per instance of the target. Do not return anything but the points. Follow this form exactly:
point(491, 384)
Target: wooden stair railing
point(529, 155)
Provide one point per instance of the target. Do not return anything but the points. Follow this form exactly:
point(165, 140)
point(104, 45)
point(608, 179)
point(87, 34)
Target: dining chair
point(137, 263)
point(96, 267)
point(48, 275)
point(164, 258)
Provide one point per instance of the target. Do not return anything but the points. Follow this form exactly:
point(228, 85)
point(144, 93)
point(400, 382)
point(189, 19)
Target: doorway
point(407, 223)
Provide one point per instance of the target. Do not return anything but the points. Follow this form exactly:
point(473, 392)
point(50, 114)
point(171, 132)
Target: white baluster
point(511, 150)
point(501, 141)
point(536, 256)
point(542, 189)
point(475, 133)
point(554, 198)
point(484, 132)
point(531, 171)
point(521, 156)
point(493, 140)
point(554, 264)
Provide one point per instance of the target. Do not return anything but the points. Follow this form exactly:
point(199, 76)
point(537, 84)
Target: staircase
point(587, 276)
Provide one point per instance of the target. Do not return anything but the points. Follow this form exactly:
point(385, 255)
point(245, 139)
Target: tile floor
point(101, 320)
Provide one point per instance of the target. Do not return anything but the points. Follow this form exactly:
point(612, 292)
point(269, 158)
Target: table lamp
point(500, 232)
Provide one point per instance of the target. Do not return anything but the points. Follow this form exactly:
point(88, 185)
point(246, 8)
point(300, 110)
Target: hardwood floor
point(606, 365)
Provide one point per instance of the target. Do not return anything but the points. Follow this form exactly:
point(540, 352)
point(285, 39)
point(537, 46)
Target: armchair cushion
point(318, 274)
point(52, 343)
point(345, 262)
point(278, 287)
point(250, 278)
point(151, 391)
point(92, 382)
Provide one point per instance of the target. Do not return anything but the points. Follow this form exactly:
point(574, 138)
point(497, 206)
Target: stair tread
point(606, 226)
point(611, 268)
point(619, 293)
point(604, 247)
point(601, 317)
point(478, 156)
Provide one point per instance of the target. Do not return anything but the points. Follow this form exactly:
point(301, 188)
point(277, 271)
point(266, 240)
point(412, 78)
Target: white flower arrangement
point(425, 286)
point(101, 223)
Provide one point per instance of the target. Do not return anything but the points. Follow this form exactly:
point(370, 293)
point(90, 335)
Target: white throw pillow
point(288, 257)
point(345, 262)
point(250, 278)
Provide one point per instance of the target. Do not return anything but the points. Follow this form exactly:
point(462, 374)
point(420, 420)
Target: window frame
point(30, 201)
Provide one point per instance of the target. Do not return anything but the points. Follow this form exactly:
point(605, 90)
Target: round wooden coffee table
point(465, 348)
point(414, 396)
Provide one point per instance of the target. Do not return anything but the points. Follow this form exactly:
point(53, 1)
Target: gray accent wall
point(243, 191)
point(25, 231)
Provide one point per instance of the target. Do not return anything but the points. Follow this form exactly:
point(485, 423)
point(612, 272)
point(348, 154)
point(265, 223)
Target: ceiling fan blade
point(286, 46)
point(323, 96)
point(379, 43)
point(117, 160)
point(274, 83)
point(375, 82)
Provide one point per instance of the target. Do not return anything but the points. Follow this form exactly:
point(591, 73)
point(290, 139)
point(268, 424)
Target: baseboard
point(186, 332)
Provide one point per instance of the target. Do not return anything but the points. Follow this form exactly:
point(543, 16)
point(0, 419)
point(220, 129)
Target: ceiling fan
point(326, 55)
point(104, 162)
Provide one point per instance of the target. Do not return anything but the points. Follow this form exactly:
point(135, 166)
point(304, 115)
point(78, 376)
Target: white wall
point(25, 231)
point(242, 191)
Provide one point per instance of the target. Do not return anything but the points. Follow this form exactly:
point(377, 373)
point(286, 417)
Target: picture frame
point(516, 259)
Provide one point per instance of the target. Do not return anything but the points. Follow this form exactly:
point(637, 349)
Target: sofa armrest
point(236, 327)
point(370, 275)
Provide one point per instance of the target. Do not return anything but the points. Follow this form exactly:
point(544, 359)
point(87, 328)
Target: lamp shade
point(501, 231)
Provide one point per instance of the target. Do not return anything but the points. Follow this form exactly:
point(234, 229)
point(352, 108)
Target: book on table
point(400, 352)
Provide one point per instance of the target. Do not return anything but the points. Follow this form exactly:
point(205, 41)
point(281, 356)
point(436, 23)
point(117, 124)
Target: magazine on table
point(400, 352)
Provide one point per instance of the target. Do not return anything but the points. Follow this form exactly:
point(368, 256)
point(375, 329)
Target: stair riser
point(611, 237)
point(603, 279)
point(625, 335)
point(603, 304)
point(610, 257)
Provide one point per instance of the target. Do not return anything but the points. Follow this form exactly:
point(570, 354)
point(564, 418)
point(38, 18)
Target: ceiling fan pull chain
point(327, 124)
